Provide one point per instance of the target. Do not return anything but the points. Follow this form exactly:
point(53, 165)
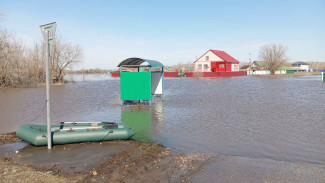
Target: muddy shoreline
point(145, 162)
point(9, 138)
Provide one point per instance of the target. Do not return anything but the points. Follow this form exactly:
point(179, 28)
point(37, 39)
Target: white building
point(300, 66)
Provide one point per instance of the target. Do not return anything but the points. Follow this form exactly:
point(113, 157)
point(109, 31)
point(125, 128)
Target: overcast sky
point(173, 31)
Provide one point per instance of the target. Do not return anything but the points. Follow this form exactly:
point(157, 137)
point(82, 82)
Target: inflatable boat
point(74, 132)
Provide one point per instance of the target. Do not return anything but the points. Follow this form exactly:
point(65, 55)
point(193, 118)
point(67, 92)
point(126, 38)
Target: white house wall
point(261, 72)
point(202, 67)
point(267, 72)
point(212, 57)
point(302, 68)
point(234, 67)
point(280, 72)
point(305, 67)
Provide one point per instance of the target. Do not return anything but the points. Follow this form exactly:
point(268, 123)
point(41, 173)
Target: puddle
point(9, 150)
point(70, 158)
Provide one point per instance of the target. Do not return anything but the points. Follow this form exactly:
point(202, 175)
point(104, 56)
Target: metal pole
point(48, 31)
point(49, 135)
point(249, 67)
point(150, 87)
point(162, 78)
point(121, 69)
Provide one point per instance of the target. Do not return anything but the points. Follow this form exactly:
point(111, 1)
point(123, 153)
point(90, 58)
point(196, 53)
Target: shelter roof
point(138, 61)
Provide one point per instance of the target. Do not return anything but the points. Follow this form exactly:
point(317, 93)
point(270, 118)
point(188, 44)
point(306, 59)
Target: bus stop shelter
point(141, 79)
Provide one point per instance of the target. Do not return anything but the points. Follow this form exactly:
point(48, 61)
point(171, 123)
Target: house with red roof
point(216, 61)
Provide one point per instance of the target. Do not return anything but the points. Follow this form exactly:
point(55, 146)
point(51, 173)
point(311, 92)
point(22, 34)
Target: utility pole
point(250, 63)
point(48, 31)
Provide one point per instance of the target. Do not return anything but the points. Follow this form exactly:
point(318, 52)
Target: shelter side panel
point(156, 83)
point(135, 86)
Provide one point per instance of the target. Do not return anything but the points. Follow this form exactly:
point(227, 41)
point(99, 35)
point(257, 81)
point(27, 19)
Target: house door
point(221, 67)
point(214, 66)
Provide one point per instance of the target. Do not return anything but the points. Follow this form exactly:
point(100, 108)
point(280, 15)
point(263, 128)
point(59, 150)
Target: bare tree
point(24, 67)
point(19, 66)
point(65, 56)
point(11, 59)
point(197, 74)
point(183, 67)
point(36, 65)
point(274, 55)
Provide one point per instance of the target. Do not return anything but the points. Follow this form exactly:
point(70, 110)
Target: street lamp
point(48, 31)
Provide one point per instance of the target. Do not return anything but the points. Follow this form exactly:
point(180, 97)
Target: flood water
point(276, 118)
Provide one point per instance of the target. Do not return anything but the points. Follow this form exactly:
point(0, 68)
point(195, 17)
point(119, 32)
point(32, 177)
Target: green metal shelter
point(141, 79)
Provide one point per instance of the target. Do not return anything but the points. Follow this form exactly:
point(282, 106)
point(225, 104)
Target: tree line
point(22, 66)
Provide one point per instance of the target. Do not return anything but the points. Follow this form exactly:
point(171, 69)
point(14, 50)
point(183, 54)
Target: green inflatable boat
point(74, 132)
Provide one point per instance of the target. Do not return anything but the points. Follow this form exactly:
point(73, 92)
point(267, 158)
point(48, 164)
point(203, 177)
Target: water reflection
point(158, 110)
point(140, 119)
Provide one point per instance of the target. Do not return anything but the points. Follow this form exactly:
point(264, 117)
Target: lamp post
point(48, 31)
point(249, 67)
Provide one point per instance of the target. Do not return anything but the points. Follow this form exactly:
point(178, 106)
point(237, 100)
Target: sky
point(172, 31)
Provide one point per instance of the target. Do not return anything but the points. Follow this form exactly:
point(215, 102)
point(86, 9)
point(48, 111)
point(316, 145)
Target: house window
point(222, 66)
point(206, 66)
point(199, 66)
point(207, 58)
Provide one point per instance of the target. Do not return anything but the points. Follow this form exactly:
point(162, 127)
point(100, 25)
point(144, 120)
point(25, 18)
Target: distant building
point(300, 66)
point(259, 65)
point(244, 68)
point(261, 68)
point(258, 68)
point(216, 61)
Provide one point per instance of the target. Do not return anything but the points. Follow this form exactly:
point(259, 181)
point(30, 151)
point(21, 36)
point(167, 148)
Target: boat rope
point(106, 136)
point(38, 115)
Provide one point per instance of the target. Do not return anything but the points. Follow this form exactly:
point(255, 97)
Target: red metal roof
point(224, 56)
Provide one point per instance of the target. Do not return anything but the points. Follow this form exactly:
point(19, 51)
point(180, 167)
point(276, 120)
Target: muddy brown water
point(275, 118)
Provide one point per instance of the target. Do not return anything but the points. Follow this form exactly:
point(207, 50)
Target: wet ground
point(71, 158)
point(131, 161)
point(115, 161)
